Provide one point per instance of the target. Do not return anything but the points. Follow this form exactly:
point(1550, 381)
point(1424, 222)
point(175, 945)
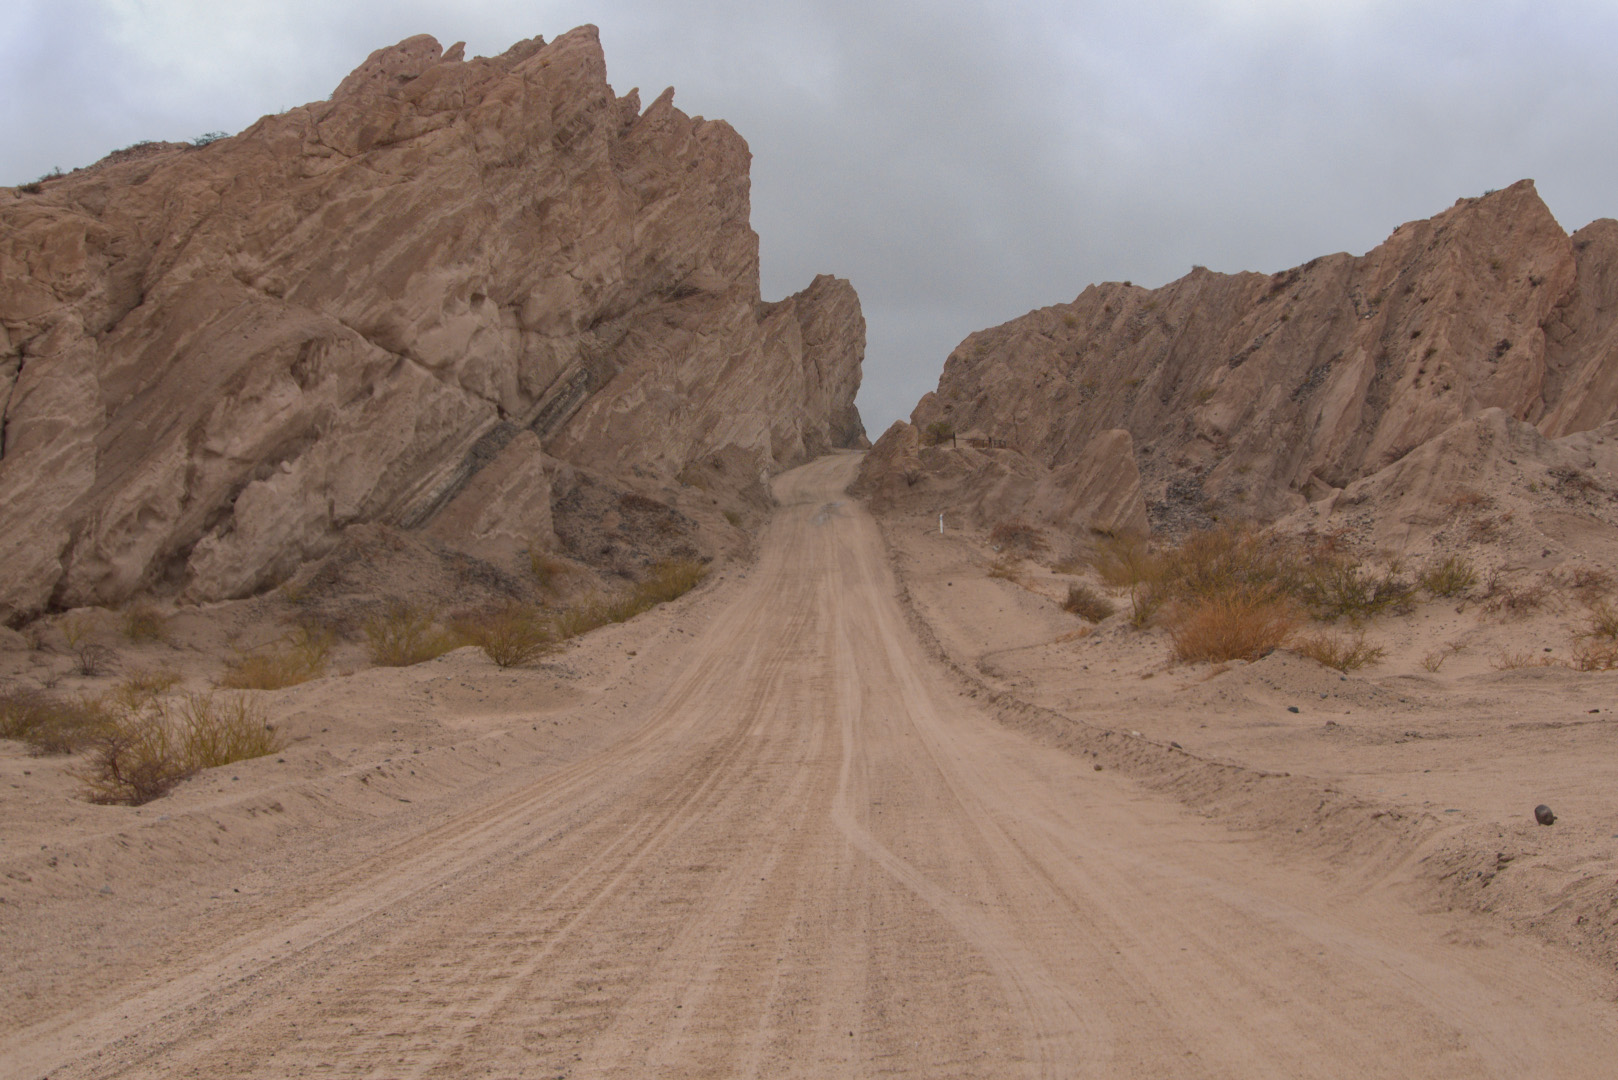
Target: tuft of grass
point(406, 634)
point(1452, 577)
point(143, 683)
point(1234, 626)
point(1087, 604)
point(143, 623)
point(1338, 651)
point(297, 658)
point(49, 724)
point(147, 750)
point(512, 636)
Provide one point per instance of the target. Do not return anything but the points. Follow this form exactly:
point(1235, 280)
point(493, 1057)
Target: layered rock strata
point(1250, 395)
point(424, 291)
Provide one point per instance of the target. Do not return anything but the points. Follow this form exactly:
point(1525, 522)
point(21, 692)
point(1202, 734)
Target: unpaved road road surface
point(810, 856)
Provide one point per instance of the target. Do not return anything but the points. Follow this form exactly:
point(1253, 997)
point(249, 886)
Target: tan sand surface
point(801, 823)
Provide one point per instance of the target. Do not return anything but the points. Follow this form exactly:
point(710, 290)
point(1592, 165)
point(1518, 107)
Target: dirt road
point(811, 857)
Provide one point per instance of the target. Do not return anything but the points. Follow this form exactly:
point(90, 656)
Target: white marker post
point(940, 524)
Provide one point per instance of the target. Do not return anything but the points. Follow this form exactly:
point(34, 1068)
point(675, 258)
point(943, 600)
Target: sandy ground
point(816, 819)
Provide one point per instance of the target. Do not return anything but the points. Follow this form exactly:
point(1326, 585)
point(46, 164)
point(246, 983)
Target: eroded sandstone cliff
point(1248, 395)
point(430, 289)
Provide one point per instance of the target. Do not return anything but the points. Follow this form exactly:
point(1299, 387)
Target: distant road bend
point(812, 858)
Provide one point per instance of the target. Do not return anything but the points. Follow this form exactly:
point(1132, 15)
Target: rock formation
point(403, 305)
point(1249, 396)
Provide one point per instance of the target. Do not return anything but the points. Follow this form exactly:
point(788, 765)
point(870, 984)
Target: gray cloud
point(960, 163)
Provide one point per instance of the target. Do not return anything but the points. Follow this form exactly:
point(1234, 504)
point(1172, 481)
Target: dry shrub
point(147, 750)
point(51, 724)
point(1338, 651)
point(667, 580)
point(1467, 499)
point(1452, 577)
point(1435, 657)
point(1235, 626)
point(93, 658)
point(512, 636)
point(1070, 565)
point(1018, 536)
point(297, 658)
point(1486, 530)
point(548, 570)
point(1087, 604)
point(142, 623)
point(1005, 569)
point(406, 634)
point(144, 683)
point(1603, 622)
point(1522, 658)
point(1590, 582)
point(1514, 601)
point(1594, 654)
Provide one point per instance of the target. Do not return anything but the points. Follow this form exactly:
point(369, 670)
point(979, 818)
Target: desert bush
point(146, 751)
point(1337, 651)
point(1087, 604)
point(940, 431)
point(92, 659)
point(1237, 625)
point(50, 724)
point(142, 623)
point(512, 636)
point(406, 634)
point(1018, 536)
point(296, 658)
point(734, 518)
point(1467, 499)
point(1452, 577)
point(1340, 586)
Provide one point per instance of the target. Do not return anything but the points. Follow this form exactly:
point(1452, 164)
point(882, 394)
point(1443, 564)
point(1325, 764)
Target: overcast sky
point(961, 163)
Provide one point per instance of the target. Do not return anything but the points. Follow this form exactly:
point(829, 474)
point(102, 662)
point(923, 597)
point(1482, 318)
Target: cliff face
point(1248, 395)
point(214, 359)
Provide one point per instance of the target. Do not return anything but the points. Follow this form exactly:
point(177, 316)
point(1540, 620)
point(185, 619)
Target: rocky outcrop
point(1249, 395)
point(393, 306)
